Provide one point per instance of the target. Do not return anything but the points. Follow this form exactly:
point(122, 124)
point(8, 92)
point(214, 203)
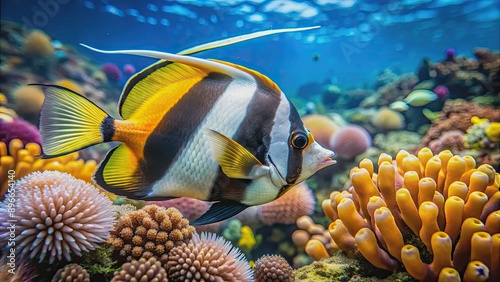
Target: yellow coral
point(444, 217)
point(387, 119)
point(28, 99)
point(71, 85)
point(21, 160)
point(493, 132)
point(38, 44)
point(478, 120)
point(247, 240)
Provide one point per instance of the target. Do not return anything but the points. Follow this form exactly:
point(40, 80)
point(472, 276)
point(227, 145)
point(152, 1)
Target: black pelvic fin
point(220, 211)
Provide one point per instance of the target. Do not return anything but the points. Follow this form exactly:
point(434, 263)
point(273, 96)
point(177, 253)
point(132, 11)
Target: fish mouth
point(327, 162)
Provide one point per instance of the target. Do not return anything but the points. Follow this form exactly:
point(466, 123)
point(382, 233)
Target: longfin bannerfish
point(190, 127)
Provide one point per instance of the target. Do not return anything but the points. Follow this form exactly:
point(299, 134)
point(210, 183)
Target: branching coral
point(57, 216)
point(24, 160)
point(207, 257)
point(150, 232)
point(434, 215)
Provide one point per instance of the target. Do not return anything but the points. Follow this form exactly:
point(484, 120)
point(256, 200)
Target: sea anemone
point(71, 272)
point(141, 270)
point(207, 257)
point(16, 269)
point(150, 232)
point(272, 268)
point(57, 215)
point(296, 202)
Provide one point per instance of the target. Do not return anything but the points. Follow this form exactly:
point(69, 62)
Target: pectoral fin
point(219, 211)
point(234, 159)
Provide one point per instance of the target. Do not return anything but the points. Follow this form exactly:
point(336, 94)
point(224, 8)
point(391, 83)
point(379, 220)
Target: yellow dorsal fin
point(257, 75)
point(150, 82)
point(234, 159)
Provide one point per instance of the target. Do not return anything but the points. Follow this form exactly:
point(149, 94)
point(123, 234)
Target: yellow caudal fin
point(70, 122)
point(118, 173)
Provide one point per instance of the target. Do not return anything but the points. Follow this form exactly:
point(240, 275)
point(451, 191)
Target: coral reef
point(272, 268)
point(28, 100)
point(387, 119)
point(426, 213)
point(112, 71)
point(394, 141)
point(37, 44)
point(24, 160)
point(321, 127)
point(350, 141)
point(71, 272)
point(207, 257)
point(17, 128)
point(391, 92)
point(190, 208)
point(57, 216)
point(149, 232)
point(452, 140)
point(314, 239)
point(296, 202)
point(143, 270)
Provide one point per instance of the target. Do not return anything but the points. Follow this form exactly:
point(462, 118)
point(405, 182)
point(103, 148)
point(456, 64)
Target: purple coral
point(350, 141)
point(442, 92)
point(112, 71)
point(18, 129)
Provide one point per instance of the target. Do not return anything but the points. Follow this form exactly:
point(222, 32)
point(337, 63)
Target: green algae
point(341, 268)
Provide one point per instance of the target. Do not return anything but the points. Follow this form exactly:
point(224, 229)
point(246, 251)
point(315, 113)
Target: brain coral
point(208, 257)
point(350, 141)
point(141, 270)
point(150, 232)
point(57, 215)
point(443, 222)
point(272, 268)
point(387, 119)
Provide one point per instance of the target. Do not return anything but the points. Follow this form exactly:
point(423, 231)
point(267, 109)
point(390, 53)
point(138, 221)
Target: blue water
point(357, 38)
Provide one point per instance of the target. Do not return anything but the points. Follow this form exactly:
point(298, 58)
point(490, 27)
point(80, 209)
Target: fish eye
point(299, 141)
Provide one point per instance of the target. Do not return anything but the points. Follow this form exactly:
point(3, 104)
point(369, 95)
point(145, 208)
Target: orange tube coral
point(481, 248)
point(399, 160)
point(492, 205)
point(444, 156)
point(383, 157)
point(428, 212)
point(478, 182)
point(492, 223)
point(454, 170)
point(449, 274)
point(410, 182)
point(476, 272)
point(410, 257)
point(432, 168)
point(441, 248)
point(459, 189)
point(412, 163)
point(495, 257)
point(426, 189)
point(453, 210)
point(352, 220)
point(462, 249)
point(366, 164)
point(316, 250)
point(438, 199)
point(470, 163)
point(389, 230)
point(368, 246)
point(408, 210)
point(344, 240)
point(364, 187)
point(474, 205)
point(328, 210)
point(424, 155)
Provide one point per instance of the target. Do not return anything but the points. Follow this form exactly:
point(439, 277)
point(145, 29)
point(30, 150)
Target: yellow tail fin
point(70, 122)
